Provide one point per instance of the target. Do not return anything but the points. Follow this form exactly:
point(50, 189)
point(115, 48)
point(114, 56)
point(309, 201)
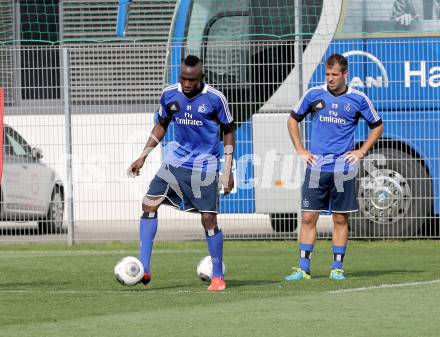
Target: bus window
point(248, 46)
point(258, 53)
point(204, 14)
point(226, 62)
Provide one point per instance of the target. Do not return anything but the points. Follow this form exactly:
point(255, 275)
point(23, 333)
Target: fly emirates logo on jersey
point(188, 117)
point(333, 116)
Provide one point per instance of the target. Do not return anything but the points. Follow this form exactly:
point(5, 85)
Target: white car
point(30, 190)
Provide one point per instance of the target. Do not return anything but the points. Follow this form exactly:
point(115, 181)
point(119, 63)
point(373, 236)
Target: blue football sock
point(215, 246)
point(338, 257)
point(305, 250)
point(147, 232)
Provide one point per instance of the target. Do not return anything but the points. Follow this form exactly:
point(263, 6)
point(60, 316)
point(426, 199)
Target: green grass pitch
point(392, 290)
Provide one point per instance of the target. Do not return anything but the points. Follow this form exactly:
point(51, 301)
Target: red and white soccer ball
point(204, 269)
point(129, 271)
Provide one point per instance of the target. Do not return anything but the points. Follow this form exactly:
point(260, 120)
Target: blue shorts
point(328, 194)
point(188, 190)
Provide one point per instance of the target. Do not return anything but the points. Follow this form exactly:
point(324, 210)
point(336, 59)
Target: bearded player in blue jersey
point(189, 175)
point(331, 159)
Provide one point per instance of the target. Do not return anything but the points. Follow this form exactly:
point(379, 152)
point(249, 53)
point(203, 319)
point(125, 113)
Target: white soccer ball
point(129, 271)
point(204, 269)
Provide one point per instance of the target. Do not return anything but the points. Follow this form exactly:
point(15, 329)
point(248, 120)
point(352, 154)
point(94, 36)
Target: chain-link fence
point(77, 116)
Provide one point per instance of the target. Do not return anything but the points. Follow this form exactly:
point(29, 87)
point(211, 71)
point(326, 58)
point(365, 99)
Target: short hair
point(191, 61)
point(337, 59)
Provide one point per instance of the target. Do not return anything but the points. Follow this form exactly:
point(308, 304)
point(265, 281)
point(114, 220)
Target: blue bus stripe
point(177, 39)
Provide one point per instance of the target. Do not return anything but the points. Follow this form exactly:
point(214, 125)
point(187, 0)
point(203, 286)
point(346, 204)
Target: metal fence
point(86, 112)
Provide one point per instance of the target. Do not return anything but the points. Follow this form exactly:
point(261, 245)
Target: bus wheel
point(394, 195)
point(283, 222)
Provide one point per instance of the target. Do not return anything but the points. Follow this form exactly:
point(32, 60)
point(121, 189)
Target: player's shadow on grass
point(181, 287)
point(375, 273)
point(184, 287)
point(247, 283)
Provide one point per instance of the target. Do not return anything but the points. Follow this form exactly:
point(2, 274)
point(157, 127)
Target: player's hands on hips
point(307, 157)
point(227, 182)
point(135, 167)
point(353, 156)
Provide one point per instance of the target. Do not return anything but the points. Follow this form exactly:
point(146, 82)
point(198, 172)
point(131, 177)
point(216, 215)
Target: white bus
point(263, 54)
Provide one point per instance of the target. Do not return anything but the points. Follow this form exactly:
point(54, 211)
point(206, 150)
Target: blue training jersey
point(334, 120)
point(197, 123)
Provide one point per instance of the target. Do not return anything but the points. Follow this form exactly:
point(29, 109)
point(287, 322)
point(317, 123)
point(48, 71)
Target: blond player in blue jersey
point(329, 184)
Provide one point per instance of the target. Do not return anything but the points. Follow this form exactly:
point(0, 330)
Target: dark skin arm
point(227, 178)
point(155, 137)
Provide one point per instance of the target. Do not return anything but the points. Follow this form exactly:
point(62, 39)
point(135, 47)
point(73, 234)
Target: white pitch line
point(383, 286)
point(189, 292)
